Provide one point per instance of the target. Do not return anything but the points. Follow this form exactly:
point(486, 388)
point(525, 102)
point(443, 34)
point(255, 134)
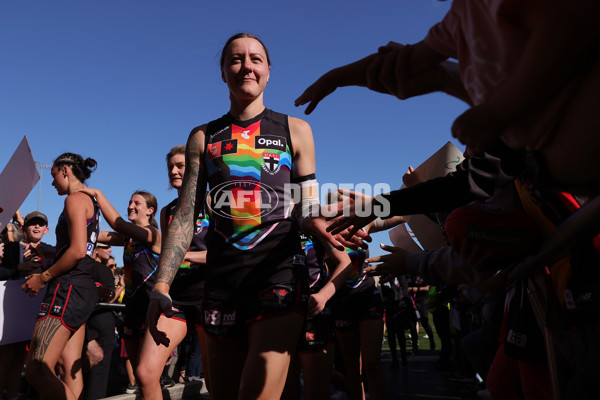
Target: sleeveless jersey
point(188, 284)
point(315, 262)
point(248, 166)
point(82, 273)
point(358, 281)
point(139, 265)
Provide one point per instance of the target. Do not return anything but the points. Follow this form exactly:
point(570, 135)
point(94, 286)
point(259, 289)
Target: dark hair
point(239, 36)
point(82, 169)
point(150, 202)
point(176, 150)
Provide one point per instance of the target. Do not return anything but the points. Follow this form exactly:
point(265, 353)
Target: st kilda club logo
point(274, 146)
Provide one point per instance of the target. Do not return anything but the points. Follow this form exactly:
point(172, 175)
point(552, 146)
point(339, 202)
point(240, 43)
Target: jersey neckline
point(248, 122)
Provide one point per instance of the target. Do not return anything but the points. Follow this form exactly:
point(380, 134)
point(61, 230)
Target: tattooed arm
point(179, 234)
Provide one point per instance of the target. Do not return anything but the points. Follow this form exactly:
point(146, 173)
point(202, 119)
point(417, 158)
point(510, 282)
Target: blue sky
point(124, 81)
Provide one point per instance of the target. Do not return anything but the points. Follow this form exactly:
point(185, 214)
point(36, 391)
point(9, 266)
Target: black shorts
point(188, 313)
point(229, 318)
point(136, 308)
point(318, 332)
point(349, 310)
point(72, 305)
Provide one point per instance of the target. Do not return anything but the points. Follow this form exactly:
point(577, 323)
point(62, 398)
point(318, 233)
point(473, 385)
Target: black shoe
point(130, 389)
point(395, 364)
point(166, 382)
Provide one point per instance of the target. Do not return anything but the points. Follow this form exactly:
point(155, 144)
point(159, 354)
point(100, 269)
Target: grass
point(423, 342)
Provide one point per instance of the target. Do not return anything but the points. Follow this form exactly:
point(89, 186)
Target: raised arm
point(125, 228)
point(179, 233)
point(399, 70)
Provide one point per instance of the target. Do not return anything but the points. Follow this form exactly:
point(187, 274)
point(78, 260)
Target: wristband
point(308, 206)
point(379, 224)
point(47, 276)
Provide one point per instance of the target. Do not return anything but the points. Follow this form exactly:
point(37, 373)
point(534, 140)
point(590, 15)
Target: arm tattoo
point(43, 335)
point(181, 228)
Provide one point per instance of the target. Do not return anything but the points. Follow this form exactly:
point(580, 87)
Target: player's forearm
point(196, 257)
point(353, 74)
point(175, 248)
point(341, 271)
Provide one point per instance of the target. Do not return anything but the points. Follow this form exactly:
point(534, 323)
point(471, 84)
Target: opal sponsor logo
point(270, 142)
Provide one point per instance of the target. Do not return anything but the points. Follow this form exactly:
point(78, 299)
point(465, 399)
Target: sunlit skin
point(153, 356)
point(103, 253)
point(52, 342)
point(59, 181)
point(176, 169)
point(260, 365)
point(35, 230)
point(138, 211)
point(246, 72)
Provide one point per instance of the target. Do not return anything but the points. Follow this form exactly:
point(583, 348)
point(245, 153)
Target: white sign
point(400, 237)
point(445, 160)
point(18, 312)
point(16, 181)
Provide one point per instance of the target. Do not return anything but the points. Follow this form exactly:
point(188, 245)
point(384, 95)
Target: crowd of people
point(263, 293)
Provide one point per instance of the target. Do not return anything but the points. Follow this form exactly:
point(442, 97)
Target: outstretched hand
point(357, 213)
point(160, 303)
point(316, 92)
point(317, 226)
point(392, 265)
point(473, 255)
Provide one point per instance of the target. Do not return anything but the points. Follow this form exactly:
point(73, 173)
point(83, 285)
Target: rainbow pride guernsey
point(248, 167)
point(318, 273)
point(358, 281)
point(139, 266)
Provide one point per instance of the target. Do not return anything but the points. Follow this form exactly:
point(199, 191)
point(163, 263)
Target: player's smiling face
point(138, 210)
point(176, 168)
point(246, 68)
